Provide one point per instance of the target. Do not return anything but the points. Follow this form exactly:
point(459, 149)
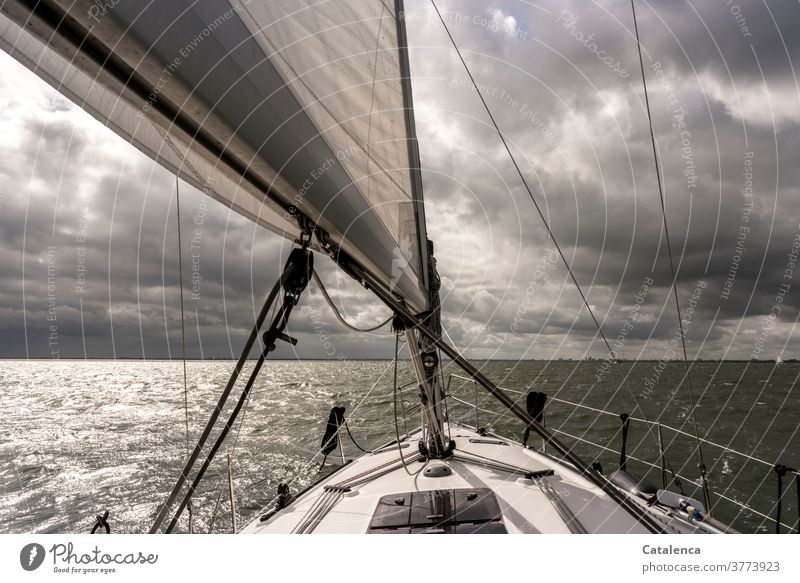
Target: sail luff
point(413, 144)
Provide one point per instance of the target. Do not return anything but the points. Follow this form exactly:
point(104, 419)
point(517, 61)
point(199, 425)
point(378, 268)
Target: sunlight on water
point(84, 436)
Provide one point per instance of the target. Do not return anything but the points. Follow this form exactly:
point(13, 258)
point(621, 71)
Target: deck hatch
point(454, 511)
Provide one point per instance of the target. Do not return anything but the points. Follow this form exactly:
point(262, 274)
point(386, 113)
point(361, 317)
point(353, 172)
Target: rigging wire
point(338, 314)
point(560, 251)
point(525, 183)
point(692, 403)
point(535, 203)
point(183, 335)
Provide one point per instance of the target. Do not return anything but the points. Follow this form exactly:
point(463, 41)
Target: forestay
point(264, 106)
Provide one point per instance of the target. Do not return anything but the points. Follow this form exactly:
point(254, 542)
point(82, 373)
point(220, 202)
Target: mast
point(425, 357)
point(423, 351)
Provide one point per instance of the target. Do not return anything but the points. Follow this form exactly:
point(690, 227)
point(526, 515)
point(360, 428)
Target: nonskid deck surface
point(533, 492)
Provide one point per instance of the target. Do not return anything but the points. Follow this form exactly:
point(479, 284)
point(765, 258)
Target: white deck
point(525, 507)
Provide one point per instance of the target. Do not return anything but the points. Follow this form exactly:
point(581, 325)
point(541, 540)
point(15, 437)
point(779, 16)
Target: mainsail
point(279, 109)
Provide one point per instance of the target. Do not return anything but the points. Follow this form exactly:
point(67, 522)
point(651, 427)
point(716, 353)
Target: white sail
point(263, 105)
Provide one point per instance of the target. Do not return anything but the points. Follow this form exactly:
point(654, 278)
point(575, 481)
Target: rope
point(183, 335)
point(300, 471)
point(332, 494)
point(692, 403)
point(338, 314)
point(310, 512)
point(353, 439)
point(570, 520)
point(294, 286)
point(463, 456)
point(219, 405)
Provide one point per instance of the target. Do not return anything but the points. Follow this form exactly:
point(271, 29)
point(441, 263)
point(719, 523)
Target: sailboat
point(299, 116)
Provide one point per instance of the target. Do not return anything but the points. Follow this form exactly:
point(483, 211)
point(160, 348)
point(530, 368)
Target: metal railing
point(657, 425)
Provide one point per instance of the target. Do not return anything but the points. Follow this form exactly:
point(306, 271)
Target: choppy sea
point(82, 437)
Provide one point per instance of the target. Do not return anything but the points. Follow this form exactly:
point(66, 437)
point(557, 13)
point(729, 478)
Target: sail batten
point(267, 107)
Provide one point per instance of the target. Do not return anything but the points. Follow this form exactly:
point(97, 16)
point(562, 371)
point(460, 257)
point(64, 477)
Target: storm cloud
point(88, 238)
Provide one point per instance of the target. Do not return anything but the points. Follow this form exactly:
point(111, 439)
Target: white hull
point(562, 502)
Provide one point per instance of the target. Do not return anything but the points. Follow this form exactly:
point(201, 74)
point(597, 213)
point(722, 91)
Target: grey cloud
point(580, 133)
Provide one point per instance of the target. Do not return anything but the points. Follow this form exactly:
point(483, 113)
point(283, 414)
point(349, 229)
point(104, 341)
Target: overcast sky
point(563, 81)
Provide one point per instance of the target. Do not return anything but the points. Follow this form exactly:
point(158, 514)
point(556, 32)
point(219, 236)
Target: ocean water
point(82, 437)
